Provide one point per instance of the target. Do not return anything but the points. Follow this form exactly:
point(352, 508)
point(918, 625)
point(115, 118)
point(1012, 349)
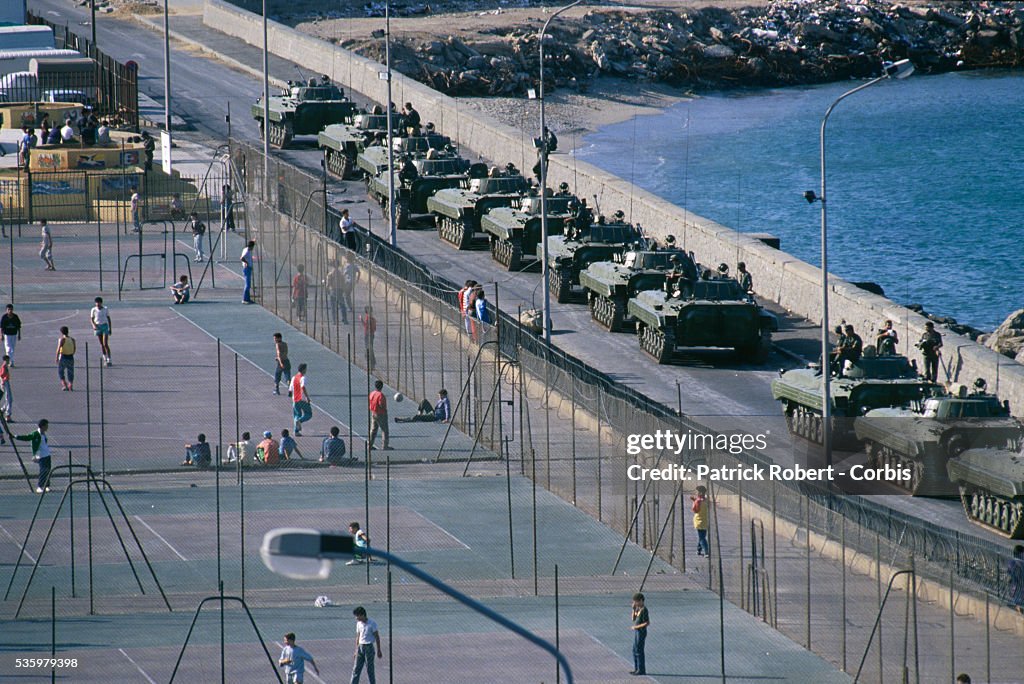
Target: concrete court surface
point(160, 393)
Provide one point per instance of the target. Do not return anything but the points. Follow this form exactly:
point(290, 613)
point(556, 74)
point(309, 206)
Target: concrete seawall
point(779, 277)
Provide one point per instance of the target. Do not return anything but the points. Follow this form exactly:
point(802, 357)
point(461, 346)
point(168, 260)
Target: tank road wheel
point(1001, 515)
point(656, 343)
point(338, 164)
point(463, 234)
point(515, 254)
point(560, 283)
point(608, 312)
point(280, 136)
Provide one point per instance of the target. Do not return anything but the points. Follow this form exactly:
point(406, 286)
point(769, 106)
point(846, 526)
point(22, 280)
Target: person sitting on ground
point(177, 207)
point(362, 541)
point(288, 447)
point(240, 451)
point(182, 290)
point(332, 450)
point(267, 451)
point(198, 454)
point(441, 412)
point(53, 138)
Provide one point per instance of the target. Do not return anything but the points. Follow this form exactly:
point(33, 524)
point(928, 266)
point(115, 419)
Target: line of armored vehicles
point(955, 441)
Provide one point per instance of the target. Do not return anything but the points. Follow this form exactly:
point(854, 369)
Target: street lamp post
point(898, 70)
point(392, 228)
point(167, 69)
point(543, 151)
point(266, 108)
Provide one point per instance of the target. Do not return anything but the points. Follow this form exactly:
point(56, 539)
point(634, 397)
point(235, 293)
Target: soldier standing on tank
point(746, 281)
point(835, 363)
point(930, 345)
point(850, 349)
point(886, 340)
point(408, 174)
point(410, 119)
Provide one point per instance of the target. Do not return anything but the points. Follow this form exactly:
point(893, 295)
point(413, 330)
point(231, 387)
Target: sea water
point(925, 180)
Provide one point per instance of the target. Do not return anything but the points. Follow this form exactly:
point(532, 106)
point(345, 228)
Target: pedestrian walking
point(46, 246)
point(333, 284)
point(227, 207)
point(302, 410)
point(282, 366)
point(464, 296)
point(379, 416)
point(102, 326)
point(483, 315)
point(10, 324)
point(930, 345)
point(300, 292)
point(348, 231)
point(40, 453)
point(362, 542)
point(5, 387)
point(641, 620)
point(136, 207)
point(293, 660)
point(700, 520)
point(198, 229)
point(369, 332)
point(367, 636)
point(66, 359)
point(148, 149)
point(350, 275)
point(246, 259)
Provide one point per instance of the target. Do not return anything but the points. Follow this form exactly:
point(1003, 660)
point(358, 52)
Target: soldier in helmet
point(723, 270)
point(563, 189)
point(619, 216)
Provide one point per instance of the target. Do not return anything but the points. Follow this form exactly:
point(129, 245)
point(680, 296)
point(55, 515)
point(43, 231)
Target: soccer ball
point(399, 396)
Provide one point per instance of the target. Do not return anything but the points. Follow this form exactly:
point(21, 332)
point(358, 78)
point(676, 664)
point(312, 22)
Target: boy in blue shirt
point(293, 660)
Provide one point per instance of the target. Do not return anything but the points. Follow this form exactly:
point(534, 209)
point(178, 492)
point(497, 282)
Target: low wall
point(778, 276)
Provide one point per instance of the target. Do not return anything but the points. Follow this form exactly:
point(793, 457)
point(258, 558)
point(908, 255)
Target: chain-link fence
point(564, 425)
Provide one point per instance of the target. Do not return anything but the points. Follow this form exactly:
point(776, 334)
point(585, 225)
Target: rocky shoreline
point(782, 43)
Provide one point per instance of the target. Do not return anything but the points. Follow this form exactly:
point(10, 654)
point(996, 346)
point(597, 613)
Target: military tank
point(342, 143)
point(304, 109)
point(569, 254)
point(922, 437)
point(433, 173)
point(373, 160)
point(703, 312)
point(871, 382)
point(457, 211)
point(991, 487)
point(611, 284)
point(516, 230)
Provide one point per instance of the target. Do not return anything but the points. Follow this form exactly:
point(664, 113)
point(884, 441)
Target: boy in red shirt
point(301, 408)
point(379, 415)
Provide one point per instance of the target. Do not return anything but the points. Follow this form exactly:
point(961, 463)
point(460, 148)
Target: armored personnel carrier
point(707, 312)
point(373, 160)
point(922, 437)
point(433, 172)
point(869, 383)
point(611, 284)
point(342, 143)
point(570, 253)
point(516, 230)
point(457, 211)
point(305, 109)
point(991, 487)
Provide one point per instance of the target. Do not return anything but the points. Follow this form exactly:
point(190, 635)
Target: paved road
point(714, 386)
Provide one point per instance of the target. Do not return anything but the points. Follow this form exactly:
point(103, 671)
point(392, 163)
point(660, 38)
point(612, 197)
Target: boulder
point(1008, 338)
point(719, 52)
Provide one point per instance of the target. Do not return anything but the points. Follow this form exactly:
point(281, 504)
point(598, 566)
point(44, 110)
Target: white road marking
point(157, 535)
point(141, 671)
point(17, 543)
point(431, 522)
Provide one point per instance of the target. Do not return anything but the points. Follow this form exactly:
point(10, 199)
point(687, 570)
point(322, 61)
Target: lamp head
point(301, 553)
point(810, 196)
point(900, 69)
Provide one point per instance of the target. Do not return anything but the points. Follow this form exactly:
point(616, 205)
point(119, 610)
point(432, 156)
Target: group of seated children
point(269, 452)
